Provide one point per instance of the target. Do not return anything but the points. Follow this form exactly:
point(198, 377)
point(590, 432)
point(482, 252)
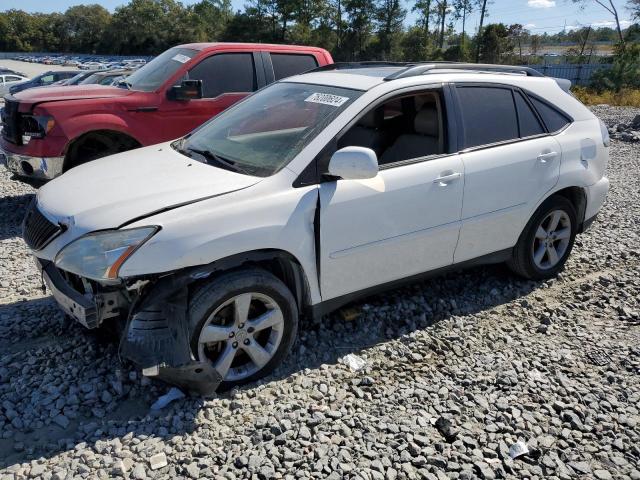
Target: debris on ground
point(173, 394)
point(354, 362)
point(518, 449)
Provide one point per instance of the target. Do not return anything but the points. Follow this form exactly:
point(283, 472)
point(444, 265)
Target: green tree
point(494, 43)
point(360, 15)
point(389, 17)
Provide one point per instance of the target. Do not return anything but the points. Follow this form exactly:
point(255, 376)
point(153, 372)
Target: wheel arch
point(111, 132)
point(578, 198)
point(284, 265)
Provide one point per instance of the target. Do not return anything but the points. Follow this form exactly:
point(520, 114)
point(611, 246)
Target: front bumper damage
point(156, 335)
point(41, 168)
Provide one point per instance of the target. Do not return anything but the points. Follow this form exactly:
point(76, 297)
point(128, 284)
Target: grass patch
point(627, 97)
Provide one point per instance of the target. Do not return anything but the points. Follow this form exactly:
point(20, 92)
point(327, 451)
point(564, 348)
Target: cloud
point(611, 24)
point(541, 3)
point(530, 25)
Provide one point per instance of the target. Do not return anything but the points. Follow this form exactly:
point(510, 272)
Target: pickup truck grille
point(38, 231)
point(11, 121)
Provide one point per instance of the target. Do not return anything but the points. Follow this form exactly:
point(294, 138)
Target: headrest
point(427, 122)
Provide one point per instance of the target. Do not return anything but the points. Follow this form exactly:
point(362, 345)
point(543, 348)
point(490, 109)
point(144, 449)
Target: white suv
point(312, 192)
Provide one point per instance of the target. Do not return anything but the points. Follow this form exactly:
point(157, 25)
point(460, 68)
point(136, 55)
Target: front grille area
point(38, 231)
point(10, 121)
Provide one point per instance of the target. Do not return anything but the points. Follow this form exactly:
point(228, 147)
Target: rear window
point(488, 115)
point(287, 64)
point(529, 123)
point(554, 119)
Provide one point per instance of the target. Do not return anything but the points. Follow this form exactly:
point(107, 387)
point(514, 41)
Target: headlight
point(100, 255)
point(37, 126)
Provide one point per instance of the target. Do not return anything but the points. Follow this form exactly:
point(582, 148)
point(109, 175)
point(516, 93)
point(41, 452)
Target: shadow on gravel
point(382, 318)
point(12, 211)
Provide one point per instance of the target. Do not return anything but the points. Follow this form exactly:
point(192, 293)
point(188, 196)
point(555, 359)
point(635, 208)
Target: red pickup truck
point(47, 131)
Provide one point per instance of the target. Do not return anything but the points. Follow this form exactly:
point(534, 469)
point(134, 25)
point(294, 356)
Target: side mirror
point(187, 90)
point(354, 163)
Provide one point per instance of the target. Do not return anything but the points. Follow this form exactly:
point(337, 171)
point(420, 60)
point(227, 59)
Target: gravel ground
point(459, 369)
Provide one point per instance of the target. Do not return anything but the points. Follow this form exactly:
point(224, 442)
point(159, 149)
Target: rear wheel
point(244, 323)
point(546, 242)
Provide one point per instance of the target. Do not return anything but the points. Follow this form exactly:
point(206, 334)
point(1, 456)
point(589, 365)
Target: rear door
point(226, 78)
point(510, 162)
point(279, 65)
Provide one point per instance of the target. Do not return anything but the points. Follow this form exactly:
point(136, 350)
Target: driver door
point(403, 222)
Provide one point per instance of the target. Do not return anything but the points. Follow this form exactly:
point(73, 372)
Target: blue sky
point(538, 15)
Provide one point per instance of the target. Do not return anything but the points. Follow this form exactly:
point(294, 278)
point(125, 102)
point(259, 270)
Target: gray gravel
point(458, 370)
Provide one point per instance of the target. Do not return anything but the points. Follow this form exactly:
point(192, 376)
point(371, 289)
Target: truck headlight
point(99, 256)
point(37, 126)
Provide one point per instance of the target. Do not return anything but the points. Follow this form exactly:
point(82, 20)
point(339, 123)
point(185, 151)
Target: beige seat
point(425, 141)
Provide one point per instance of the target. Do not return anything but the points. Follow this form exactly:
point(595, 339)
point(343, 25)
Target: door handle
point(445, 179)
point(545, 157)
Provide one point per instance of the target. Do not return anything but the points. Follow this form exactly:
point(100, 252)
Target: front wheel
point(546, 242)
point(244, 323)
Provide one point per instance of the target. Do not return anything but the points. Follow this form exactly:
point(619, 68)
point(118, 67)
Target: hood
point(72, 92)
point(116, 190)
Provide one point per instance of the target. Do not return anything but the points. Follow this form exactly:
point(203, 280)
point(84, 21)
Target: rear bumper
point(596, 195)
point(41, 168)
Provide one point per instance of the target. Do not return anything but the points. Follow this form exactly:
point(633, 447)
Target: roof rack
point(352, 65)
point(421, 69)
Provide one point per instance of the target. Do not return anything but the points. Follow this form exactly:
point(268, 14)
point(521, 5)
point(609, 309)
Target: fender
point(75, 127)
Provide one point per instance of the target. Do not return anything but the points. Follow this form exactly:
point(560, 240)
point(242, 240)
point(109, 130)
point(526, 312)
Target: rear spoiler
point(563, 83)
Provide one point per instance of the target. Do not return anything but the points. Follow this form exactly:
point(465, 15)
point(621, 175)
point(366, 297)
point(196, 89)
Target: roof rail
point(420, 69)
point(352, 65)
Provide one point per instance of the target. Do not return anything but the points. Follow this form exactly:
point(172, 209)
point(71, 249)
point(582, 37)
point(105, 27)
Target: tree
point(84, 28)
point(494, 43)
point(389, 15)
point(483, 11)
point(424, 10)
point(634, 6)
point(609, 7)
point(360, 14)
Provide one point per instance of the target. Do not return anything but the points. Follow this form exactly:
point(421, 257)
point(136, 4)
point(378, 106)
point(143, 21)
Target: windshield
point(266, 131)
point(157, 71)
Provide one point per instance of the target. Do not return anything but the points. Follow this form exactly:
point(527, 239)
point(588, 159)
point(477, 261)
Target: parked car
point(42, 80)
point(106, 77)
point(315, 191)
point(9, 71)
point(168, 97)
point(8, 80)
point(76, 79)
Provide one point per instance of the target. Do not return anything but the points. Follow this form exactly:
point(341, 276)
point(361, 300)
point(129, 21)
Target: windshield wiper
point(210, 156)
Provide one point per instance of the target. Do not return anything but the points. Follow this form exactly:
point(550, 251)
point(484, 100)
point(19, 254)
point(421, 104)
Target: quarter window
point(554, 120)
point(488, 114)
point(225, 73)
point(287, 64)
point(528, 121)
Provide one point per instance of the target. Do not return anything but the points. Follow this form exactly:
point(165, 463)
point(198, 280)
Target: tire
point(97, 145)
point(214, 305)
point(527, 260)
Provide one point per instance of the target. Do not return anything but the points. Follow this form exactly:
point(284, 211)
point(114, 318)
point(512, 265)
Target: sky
point(538, 16)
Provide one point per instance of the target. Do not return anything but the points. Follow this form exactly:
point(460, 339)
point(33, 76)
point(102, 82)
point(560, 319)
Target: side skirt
point(323, 308)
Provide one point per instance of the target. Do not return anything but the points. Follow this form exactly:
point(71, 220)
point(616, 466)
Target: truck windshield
point(157, 71)
point(263, 133)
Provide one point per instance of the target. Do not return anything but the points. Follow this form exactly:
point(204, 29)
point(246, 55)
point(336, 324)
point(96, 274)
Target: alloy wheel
point(242, 335)
point(551, 239)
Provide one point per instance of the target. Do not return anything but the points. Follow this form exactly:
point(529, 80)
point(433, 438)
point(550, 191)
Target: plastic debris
point(518, 449)
point(350, 314)
point(354, 362)
point(167, 398)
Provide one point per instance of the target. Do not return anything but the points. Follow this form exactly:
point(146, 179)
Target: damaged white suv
point(312, 192)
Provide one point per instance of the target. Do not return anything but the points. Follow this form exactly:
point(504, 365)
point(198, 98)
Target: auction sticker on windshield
point(327, 99)
point(180, 58)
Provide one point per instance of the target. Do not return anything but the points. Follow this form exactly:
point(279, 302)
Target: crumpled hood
point(111, 191)
point(72, 92)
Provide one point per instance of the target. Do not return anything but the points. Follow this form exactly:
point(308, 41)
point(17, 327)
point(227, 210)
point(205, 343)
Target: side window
point(11, 78)
point(225, 73)
point(527, 119)
point(287, 64)
point(552, 118)
point(403, 128)
point(47, 79)
point(488, 115)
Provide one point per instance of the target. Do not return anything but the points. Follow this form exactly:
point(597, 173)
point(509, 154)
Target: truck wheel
point(244, 322)
point(546, 242)
point(97, 145)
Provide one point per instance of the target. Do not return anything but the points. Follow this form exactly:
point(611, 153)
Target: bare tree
point(609, 7)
